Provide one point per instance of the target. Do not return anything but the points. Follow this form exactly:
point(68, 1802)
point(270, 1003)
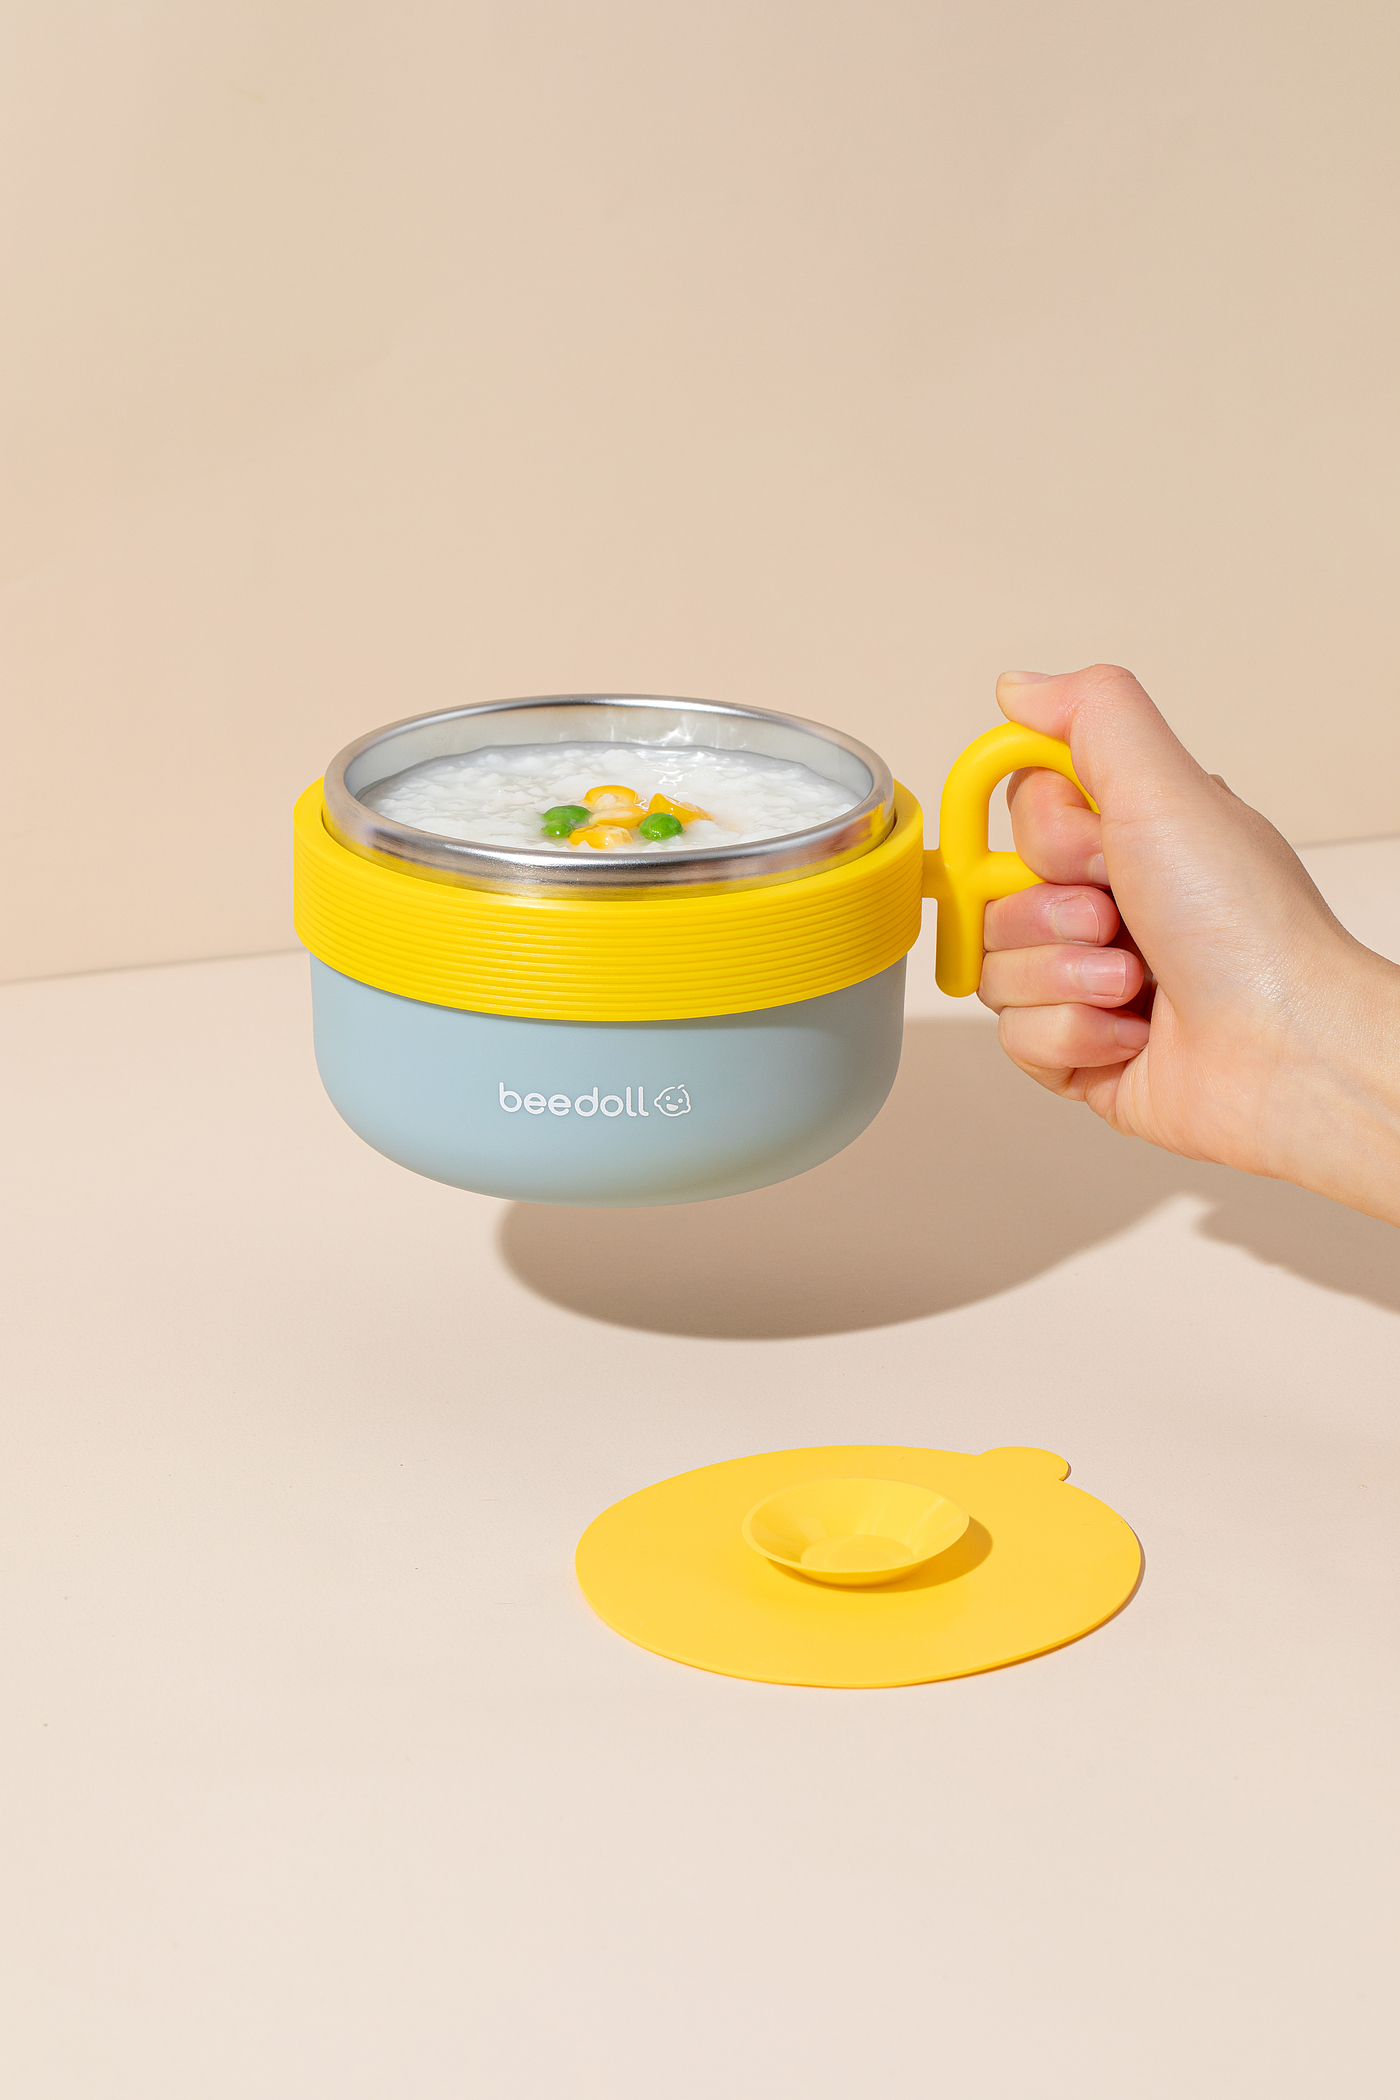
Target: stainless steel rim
point(603, 718)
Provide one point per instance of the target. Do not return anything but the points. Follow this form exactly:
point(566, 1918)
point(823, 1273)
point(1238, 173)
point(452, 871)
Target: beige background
point(365, 357)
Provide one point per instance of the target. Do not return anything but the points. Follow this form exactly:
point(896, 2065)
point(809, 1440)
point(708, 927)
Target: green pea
point(564, 818)
point(660, 826)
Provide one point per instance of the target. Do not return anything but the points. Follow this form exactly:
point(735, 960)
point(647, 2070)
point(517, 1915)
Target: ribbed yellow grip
point(612, 958)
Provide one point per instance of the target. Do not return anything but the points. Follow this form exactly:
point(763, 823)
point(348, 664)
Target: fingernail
point(1075, 920)
point(1130, 1031)
point(1027, 677)
point(1098, 869)
point(1103, 970)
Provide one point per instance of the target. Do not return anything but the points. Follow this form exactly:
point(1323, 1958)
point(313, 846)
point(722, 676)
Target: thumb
point(1124, 753)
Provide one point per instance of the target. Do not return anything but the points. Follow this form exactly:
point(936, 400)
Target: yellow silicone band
point(961, 872)
point(613, 958)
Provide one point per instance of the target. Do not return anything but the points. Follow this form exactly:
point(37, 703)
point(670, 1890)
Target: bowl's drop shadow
point(971, 1180)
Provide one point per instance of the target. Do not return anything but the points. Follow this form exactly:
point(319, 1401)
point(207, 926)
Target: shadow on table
point(970, 1181)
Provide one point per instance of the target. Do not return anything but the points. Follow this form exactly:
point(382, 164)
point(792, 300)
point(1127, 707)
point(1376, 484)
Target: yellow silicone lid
point(1039, 1564)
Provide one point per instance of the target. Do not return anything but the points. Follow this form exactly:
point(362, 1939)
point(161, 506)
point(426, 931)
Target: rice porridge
point(630, 798)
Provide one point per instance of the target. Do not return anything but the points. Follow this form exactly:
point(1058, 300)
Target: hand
point(1177, 969)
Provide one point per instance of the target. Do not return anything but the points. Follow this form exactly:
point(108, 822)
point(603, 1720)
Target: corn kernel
point(685, 812)
point(603, 836)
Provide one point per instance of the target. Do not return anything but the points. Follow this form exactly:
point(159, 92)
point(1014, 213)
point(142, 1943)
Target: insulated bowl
point(550, 1025)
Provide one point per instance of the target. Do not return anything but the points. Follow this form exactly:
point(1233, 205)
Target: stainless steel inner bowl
point(603, 719)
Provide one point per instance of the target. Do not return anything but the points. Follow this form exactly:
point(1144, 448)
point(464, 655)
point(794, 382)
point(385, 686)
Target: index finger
point(1056, 832)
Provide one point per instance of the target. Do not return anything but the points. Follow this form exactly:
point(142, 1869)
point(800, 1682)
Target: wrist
point(1345, 1128)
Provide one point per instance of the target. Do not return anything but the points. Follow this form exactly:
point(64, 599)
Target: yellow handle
point(961, 872)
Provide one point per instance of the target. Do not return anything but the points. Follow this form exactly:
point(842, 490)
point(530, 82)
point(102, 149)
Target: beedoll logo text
point(670, 1101)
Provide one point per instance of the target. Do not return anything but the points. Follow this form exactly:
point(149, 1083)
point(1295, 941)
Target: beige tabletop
point(323, 1780)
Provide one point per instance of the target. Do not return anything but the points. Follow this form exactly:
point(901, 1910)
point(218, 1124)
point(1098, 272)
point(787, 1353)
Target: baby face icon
point(673, 1101)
